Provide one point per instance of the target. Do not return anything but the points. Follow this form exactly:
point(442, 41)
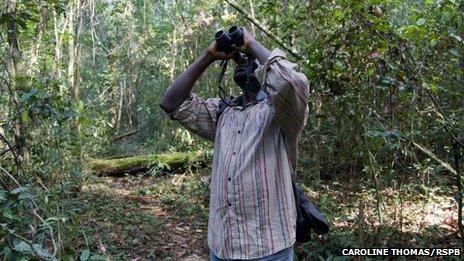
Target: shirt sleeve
point(289, 93)
point(198, 115)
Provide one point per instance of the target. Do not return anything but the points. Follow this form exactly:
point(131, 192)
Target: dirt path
point(164, 217)
point(149, 218)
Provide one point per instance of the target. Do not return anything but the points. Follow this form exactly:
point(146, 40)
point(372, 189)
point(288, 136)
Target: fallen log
point(125, 135)
point(135, 164)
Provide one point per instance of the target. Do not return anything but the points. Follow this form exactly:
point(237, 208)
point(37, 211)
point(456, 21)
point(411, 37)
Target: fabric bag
point(308, 217)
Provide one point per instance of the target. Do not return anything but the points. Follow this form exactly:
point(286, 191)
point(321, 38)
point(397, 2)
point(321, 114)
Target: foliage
point(77, 76)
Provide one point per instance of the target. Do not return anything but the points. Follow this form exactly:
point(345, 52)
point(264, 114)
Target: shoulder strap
point(221, 92)
point(223, 104)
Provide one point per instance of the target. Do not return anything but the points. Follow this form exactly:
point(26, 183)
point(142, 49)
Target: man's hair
point(255, 64)
point(252, 83)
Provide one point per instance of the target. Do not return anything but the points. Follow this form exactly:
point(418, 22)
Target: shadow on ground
point(164, 217)
point(122, 220)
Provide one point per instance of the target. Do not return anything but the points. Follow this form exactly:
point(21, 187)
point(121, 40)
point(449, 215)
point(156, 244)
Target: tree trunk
point(131, 103)
point(144, 14)
point(252, 13)
point(174, 54)
point(112, 93)
point(59, 26)
point(74, 15)
point(71, 47)
point(34, 54)
point(18, 84)
point(135, 164)
point(57, 48)
point(121, 99)
point(457, 157)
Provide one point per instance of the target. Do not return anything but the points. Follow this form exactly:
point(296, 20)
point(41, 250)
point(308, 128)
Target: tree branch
point(433, 156)
point(438, 107)
point(11, 176)
point(15, 156)
point(12, 232)
point(264, 29)
point(124, 135)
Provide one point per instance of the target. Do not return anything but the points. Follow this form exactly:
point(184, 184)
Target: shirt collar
point(261, 96)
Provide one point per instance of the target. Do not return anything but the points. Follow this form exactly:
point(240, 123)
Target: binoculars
point(225, 39)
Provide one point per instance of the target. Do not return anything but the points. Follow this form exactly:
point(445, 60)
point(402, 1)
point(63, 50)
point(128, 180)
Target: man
point(252, 212)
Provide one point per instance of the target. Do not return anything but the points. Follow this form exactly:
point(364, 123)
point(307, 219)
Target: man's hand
point(253, 47)
point(247, 39)
point(218, 55)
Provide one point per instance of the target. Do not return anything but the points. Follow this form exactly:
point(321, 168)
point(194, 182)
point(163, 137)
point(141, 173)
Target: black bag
point(308, 217)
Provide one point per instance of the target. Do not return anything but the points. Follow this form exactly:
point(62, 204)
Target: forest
point(91, 168)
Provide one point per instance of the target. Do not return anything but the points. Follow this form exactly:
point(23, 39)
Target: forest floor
point(164, 217)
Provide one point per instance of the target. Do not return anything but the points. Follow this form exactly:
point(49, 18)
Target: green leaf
point(23, 247)
point(420, 21)
point(42, 252)
point(25, 195)
point(454, 52)
point(24, 116)
point(85, 254)
point(6, 251)
point(19, 190)
point(26, 96)
point(387, 81)
point(7, 213)
point(432, 87)
point(3, 18)
point(3, 196)
point(457, 37)
point(82, 120)
point(22, 192)
point(21, 23)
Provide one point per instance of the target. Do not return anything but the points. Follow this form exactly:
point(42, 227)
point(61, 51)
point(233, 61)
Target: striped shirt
point(252, 210)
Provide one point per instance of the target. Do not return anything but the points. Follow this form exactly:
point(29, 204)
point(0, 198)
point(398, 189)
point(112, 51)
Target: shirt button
point(238, 132)
point(228, 178)
point(229, 204)
point(233, 153)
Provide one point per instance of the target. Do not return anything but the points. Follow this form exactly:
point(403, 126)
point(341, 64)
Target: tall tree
point(74, 30)
point(18, 85)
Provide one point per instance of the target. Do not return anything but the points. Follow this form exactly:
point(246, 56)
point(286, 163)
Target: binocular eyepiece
point(225, 39)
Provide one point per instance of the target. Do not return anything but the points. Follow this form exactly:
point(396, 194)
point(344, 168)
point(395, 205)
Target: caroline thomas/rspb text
point(401, 252)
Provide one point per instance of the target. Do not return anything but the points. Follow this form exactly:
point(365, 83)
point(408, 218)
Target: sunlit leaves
point(420, 21)
point(23, 247)
point(372, 65)
point(28, 95)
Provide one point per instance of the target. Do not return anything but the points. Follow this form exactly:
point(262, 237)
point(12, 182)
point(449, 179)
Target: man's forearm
point(259, 51)
point(180, 89)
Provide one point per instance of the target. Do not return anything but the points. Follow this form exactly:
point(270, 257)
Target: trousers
point(283, 255)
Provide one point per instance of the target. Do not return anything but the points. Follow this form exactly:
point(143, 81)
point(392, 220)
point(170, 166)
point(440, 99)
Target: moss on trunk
point(121, 166)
